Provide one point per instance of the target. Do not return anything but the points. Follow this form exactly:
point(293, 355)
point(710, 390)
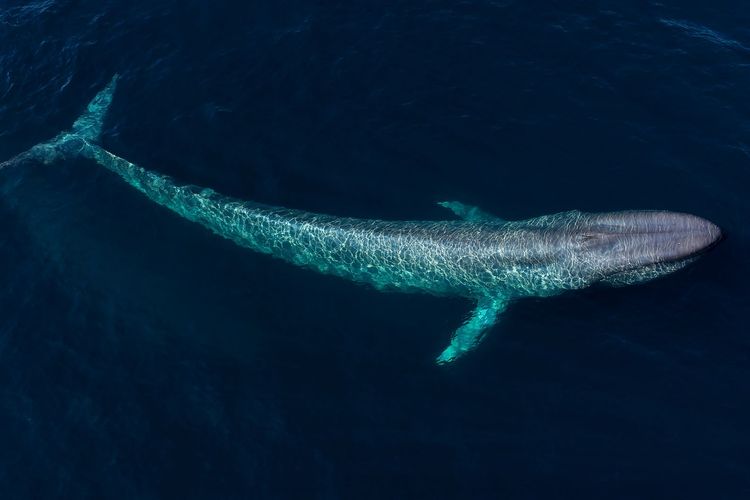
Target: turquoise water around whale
point(143, 357)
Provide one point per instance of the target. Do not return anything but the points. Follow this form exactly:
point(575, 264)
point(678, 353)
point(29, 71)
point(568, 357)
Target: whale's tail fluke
point(86, 131)
point(88, 126)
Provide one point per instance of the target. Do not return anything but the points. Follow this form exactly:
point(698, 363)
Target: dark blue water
point(143, 357)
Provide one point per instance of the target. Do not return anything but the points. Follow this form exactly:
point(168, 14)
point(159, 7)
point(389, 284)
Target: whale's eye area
point(597, 241)
point(585, 237)
point(588, 239)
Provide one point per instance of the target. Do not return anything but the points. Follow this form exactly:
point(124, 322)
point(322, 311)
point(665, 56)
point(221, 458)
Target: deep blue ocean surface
point(143, 357)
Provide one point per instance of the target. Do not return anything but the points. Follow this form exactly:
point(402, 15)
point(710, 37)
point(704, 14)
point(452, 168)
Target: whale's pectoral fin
point(470, 334)
point(468, 212)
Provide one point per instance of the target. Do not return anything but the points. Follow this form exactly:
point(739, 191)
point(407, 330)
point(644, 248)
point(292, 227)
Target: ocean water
point(143, 357)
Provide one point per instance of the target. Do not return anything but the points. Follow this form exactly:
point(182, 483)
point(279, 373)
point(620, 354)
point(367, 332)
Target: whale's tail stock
point(86, 131)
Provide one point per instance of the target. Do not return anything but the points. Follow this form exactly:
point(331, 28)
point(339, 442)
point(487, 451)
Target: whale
point(472, 254)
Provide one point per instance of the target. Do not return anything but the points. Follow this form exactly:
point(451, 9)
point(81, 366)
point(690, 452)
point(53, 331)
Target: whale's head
point(622, 248)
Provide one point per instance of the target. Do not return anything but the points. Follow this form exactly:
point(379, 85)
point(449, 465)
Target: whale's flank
point(479, 256)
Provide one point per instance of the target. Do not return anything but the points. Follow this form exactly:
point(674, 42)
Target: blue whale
point(478, 256)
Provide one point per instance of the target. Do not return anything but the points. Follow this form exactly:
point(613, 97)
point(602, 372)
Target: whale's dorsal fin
point(470, 334)
point(468, 212)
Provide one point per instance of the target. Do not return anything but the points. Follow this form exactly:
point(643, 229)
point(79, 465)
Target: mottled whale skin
point(478, 256)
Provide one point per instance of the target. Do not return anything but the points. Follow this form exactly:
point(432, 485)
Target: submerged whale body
point(479, 256)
